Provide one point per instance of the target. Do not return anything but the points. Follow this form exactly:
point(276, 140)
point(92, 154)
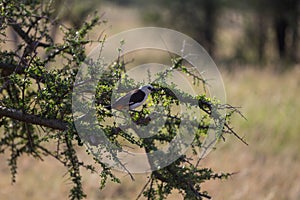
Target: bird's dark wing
point(124, 101)
point(137, 97)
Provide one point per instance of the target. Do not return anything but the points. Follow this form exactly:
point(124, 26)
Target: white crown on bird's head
point(147, 88)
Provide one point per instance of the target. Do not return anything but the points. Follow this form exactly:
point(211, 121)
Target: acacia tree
point(37, 80)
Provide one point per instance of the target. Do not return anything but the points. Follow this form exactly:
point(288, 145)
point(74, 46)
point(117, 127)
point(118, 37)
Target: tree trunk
point(281, 25)
point(210, 10)
point(262, 37)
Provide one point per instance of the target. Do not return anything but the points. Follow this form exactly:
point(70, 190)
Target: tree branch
point(17, 28)
point(33, 119)
point(7, 66)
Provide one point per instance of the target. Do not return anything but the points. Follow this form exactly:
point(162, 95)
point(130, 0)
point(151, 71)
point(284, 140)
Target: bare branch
point(17, 28)
point(231, 131)
point(7, 66)
point(33, 119)
point(143, 189)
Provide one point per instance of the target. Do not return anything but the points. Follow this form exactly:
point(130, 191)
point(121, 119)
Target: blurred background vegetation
point(263, 33)
point(256, 46)
point(268, 30)
point(260, 32)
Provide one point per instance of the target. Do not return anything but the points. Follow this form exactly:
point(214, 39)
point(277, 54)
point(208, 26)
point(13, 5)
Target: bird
point(132, 99)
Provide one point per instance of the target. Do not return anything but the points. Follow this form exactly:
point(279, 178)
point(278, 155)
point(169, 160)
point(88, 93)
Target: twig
point(235, 134)
point(143, 189)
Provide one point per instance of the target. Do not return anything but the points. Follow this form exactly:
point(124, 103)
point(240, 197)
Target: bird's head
point(147, 89)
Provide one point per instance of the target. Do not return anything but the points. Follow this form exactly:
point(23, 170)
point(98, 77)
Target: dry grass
point(268, 168)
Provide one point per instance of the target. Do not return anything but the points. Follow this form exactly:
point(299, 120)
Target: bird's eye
point(149, 88)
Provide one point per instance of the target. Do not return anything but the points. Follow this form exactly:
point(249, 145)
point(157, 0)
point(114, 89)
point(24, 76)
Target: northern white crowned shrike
point(132, 99)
